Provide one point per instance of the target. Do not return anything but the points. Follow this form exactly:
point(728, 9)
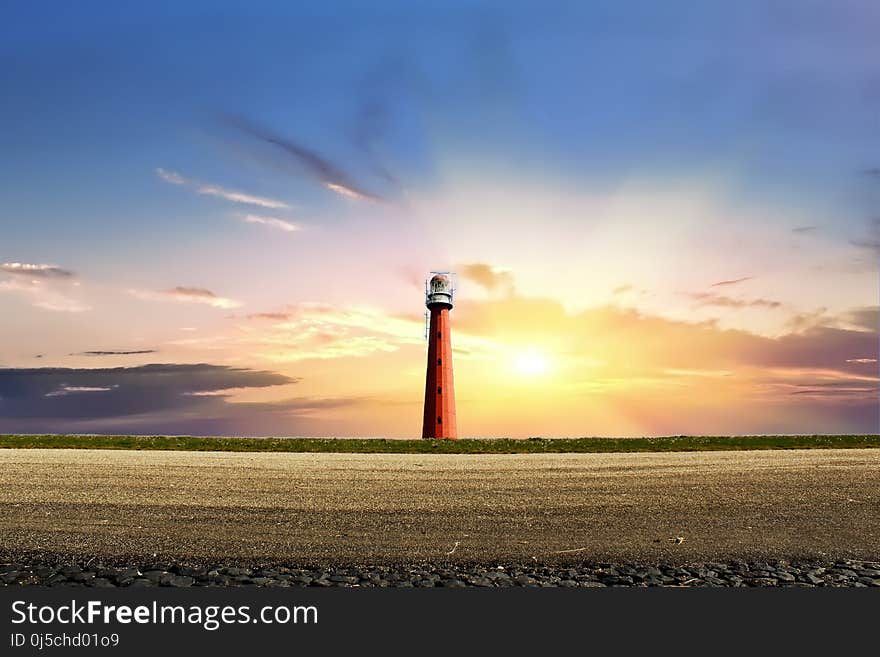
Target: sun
point(531, 363)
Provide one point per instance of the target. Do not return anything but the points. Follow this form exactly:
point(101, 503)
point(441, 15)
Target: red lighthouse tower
point(439, 420)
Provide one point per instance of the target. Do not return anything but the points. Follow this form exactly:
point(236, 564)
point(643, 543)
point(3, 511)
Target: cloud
point(68, 390)
point(175, 399)
point(272, 222)
point(732, 282)
point(489, 277)
point(44, 294)
point(866, 318)
point(35, 271)
point(804, 229)
point(115, 353)
point(279, 316)
point(622, 289)
point(629, 341)
point(307, 331)
point(808, 320)
point(872, 240)
point(220, 192)
point(93, 394)
point(861, 361)
point(314, 164)
point(187, 295)
point(379, 88)
point(872, 244)
point(709, 299)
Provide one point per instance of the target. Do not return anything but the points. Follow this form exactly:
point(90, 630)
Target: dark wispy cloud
point(35, 270)
point(722, 301)
point(370, 127)
point(98, 393)
point(155, 399)
point(871, 240)
point(384, 84)
point(115, 353)
point(804, 229)
point(733, 281)
point(313, 163)
point(867, 243)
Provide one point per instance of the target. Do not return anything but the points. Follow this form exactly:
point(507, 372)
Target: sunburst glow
point(532, 363)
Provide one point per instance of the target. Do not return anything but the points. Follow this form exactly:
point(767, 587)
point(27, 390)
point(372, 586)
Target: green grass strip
point(464, 446)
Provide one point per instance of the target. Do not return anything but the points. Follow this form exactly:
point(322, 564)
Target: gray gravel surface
point(327, 510)
point(844, 573)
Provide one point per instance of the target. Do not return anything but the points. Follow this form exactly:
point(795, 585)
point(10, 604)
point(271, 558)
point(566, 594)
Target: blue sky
point(578, 147)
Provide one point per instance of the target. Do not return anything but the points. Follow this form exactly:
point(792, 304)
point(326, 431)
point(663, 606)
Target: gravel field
point(462, 511)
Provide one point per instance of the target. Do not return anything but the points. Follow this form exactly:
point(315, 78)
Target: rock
point(480, 581)
point(344, 579)
point(762, 581)
point(155, 575)
point(127, 573)
point(496, 575)
point(238, 572)
point(10, 576)
point(178, 581)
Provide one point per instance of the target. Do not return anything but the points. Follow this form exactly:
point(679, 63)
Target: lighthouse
point(439, 419)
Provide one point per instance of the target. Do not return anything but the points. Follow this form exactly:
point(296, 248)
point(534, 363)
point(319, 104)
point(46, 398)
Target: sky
point(662, 218)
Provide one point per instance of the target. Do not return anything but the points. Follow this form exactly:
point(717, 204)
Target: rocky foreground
point(843, 573)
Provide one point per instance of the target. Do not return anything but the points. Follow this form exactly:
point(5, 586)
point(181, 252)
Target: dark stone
point(179, 581)
point(155, 575)
point(238, 572)
point(10, 576)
